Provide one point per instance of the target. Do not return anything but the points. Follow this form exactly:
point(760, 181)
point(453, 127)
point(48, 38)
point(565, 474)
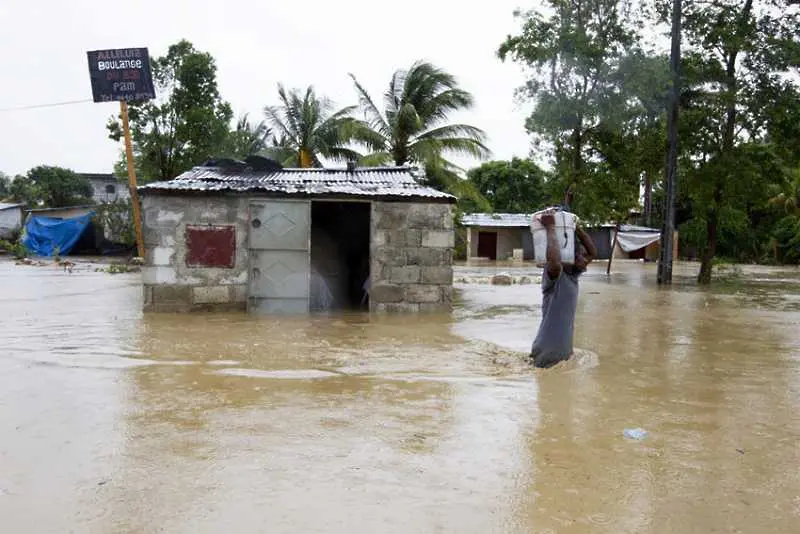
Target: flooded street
point(114, 421)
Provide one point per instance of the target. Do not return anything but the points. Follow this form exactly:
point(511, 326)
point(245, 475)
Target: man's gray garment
point(553, 342)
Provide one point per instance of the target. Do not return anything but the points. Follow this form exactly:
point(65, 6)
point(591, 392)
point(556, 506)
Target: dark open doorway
point(487, 245)
point(340, 238)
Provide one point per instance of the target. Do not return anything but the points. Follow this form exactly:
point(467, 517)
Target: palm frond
point(359, 132)
point(290, 103)
point(455, 130)
point(372, 114)
point(439, 106)
point(376, 159)
point(273, 114)
point(465, 146)
point(307, 123)
point(284, 155)
point(392, 99)
point(343, 154)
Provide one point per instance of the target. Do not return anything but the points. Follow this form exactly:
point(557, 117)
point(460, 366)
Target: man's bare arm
point(553, 248)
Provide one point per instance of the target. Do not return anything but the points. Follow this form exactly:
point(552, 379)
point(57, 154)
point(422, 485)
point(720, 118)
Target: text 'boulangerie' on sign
point(121, 74)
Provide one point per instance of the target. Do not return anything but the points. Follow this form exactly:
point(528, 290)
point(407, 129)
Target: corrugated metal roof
point(523, 220)
point(105, 177)
point(509, 220)
point(626, 228)
point(8, 206)
point(64, 208)
point(363, 181)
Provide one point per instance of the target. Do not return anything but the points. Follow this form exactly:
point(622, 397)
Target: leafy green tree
point(516, 186)
point(56, 187)
point(574, 51)
point(469, 198)
point(787, 197)
point(413, 127)
point(787, 239)
point(634, 150)
point(248, 138)
point(186, 124)
point(5, 183)
point(785, 233)
point(307, 128)
point(737, 53)
point(23, 190)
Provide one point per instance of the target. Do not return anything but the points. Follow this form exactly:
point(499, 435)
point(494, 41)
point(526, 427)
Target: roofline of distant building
point(81, 207)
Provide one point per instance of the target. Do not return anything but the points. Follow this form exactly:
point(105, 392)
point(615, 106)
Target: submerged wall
point(172, 281)
point(411, 266)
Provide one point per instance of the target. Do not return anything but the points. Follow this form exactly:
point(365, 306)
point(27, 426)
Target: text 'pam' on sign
point(121, 74)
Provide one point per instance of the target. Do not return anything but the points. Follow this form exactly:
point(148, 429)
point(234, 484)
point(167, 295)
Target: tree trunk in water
point(648, 198)
point(728, 143)
point(711, 248)
point(305, 158)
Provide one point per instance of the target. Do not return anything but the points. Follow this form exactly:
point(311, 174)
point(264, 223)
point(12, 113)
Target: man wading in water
point(553, 342)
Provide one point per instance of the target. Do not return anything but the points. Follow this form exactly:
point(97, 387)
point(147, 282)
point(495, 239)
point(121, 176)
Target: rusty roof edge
point(410, 169)
point(370, 182)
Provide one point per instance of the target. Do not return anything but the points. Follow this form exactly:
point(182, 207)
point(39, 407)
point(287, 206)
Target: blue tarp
point(44, 234)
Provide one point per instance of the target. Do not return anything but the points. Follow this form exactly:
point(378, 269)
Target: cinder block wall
point(411, 257)
point(507, 240)
point(169, 284)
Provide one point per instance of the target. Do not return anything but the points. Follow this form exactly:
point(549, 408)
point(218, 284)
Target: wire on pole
point(51, 105)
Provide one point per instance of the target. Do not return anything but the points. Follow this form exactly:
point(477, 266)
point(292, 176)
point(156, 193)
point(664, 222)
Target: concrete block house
point(254, 236)
point(107, 188)
point(498, 236)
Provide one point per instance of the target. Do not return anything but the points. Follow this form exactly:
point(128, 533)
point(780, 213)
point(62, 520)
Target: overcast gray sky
point(256, 45)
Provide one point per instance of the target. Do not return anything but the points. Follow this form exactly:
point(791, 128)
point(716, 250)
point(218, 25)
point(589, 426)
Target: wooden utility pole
point(613, 248)
point(137, 214)
point(668, 229)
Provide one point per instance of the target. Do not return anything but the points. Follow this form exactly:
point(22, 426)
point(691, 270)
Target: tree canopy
point(516, 186)
point(575, 52)
point(734, 136)
point(599, 96)
point(56, 187)
point(248, 138)
point(5, 183)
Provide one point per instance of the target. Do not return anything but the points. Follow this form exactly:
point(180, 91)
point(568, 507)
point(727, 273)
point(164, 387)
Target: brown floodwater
point(113, 421)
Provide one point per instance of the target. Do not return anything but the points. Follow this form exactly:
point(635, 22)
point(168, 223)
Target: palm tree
point(788, 195)
point(412, 126)
point(248, 139)
point(307, 128)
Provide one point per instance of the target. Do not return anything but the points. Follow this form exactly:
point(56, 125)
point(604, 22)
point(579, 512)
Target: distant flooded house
point(504, 236)
point(11, 219)
point(633, 242)
point(107, 188)
point(256, 236)
point(498, 236)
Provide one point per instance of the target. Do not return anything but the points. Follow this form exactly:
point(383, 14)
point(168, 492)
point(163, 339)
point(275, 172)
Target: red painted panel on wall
point(211, 246)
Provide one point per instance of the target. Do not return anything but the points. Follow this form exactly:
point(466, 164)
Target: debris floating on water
point(635, 433)
point(498, 279)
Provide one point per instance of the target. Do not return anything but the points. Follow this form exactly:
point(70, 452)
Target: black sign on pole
point(121, 74)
